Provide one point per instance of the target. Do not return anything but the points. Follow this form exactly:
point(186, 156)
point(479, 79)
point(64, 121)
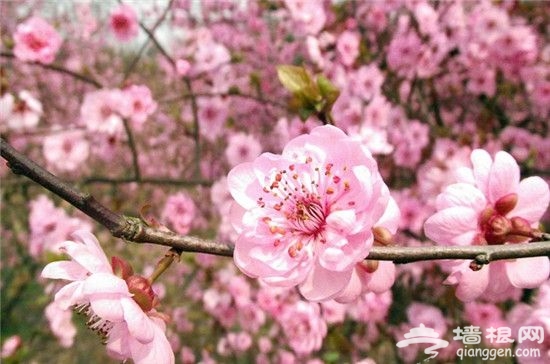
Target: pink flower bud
point(499, 225)
point(382, 235)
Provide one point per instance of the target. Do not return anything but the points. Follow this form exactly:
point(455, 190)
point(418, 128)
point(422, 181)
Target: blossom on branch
point(305, 217)
point(119, 305)
point(36, 41)
point(490, 206)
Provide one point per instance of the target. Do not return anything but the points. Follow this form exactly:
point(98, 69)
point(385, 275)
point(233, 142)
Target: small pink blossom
point(36, 41)
point(60, 323)
point(123, 22)
point(140, 104)
point(21, 113)
point(180, 212)
point(101, 111)
point(242, 148)
point(66, 151)
point(347, 46)
point(303, 326)
point(491, 206)
point(10, 346)
point(50, 226)
point(305, 217)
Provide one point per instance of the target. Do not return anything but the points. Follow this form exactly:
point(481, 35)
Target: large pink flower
point(115, 306)
point(305, 217)
point(491, 206)
point(36, 41)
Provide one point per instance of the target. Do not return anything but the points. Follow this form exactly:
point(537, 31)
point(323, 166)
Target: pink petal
point(352, 290)
point(239, 181)
point(322, 284)
point(64, 269)
point(528, 272)
point(503, 178)
point(391, 216)
point(381, 279)
point(461, 194)
point(533, 199)
point(156, 351)
point(118, 346)
point(342, 221)
point(69, 295)
point(139, 324)
point(471, 284)
point(91, 242)
point(447, 226)
point(481, 161)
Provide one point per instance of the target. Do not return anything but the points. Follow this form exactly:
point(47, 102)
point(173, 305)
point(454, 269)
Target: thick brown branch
point(135, 230)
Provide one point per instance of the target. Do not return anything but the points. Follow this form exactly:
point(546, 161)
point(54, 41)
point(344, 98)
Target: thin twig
point(135, 230)
point(57, 68)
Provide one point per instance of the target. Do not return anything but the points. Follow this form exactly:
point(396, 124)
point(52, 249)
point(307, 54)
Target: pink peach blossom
point(303, 326)
point(101, 111)
point(180, 212)
point(66, 151)
point(242, 148)
point(140, 104)
point(131, 331)
point(491, 206)
point(21, 113)
point(123, 22)
point(36, 41)
point(305, 217)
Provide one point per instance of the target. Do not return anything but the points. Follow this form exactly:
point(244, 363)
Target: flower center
point(308, 216)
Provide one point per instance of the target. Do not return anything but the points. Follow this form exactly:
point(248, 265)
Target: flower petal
point(139, 324)
point(503, 178)
point(64, 269)
point(533, 199)
point(381, 279)
point(461, 194)
point(471, 284)
point(481, 161)
point(528, 272)
point(323, 284)
point(452, 226)
point(239, 181)
point(156, 351)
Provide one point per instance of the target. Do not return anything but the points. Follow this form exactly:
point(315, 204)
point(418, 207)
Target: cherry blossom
point(180, 212)
point(36, 41)
point(490, 205)
point(305, 217)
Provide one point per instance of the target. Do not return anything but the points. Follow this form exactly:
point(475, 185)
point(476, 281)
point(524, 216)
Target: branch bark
point(135, 230)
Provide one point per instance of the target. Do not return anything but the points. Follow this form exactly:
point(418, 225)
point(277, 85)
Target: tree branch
point(135, 230)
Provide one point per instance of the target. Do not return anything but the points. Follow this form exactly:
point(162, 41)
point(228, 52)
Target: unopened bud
point(371, 265)
point(475, 266)
point(142, 292)
point(520, 226)
point(382, 236)
point(506, 203)
point(499, 225)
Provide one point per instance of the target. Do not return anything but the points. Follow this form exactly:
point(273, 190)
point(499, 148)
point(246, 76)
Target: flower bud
point(371, 265)
point(520, 226)
point(499, 225)
point(382, 236)
point(506, 203)
point(143, 293)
